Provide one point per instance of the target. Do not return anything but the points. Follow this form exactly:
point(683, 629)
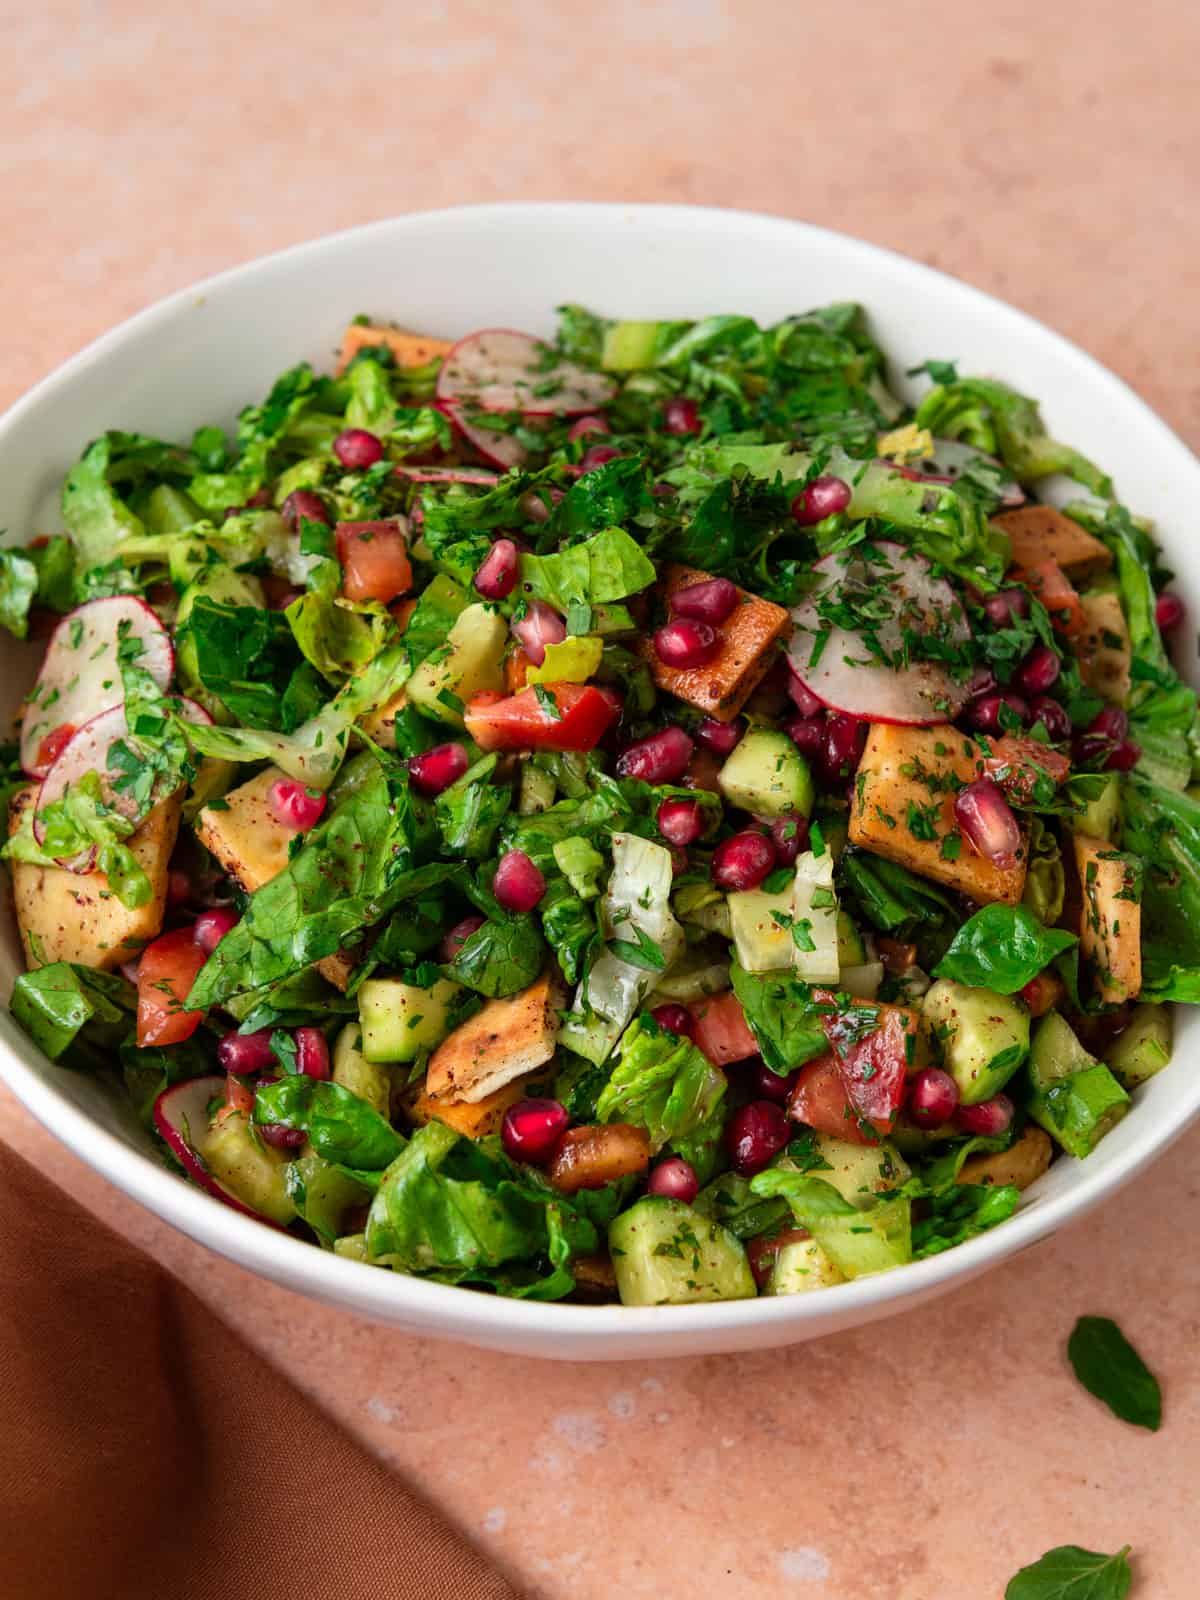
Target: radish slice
point(835, 662)
point(950, 459)
point(498, 369)
point(80, 676)
point(181, 1116)
point(480, 477)
point(503, 450)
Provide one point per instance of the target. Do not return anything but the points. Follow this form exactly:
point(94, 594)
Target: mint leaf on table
point(1108, 1366)
point(1069, 1573)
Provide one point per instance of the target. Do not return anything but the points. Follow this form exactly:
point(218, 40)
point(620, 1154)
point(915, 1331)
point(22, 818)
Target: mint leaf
point(1069, 1573)
point(1108, 1366)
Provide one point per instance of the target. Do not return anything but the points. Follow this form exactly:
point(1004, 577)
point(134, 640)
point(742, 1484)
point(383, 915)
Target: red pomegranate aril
point(532, 1128)
point(1125, 757)
point(845, 739)
point(807, 734)
point(659, 758)
point(681, 822)
point(755, 1135)
point(988, 823)
point(984, 714)
point(990, 1118)
point(804, 700)
point(789, 835)
point(179, 888)
point(312, 1053)
point(722, 738)
point(357, 449)
point(436, 769)
point(711, 601)
point(680, 416)
point(1168, 611)
point(538, 626)
point(499, 571)
point(598, 455)
point(243, 1053)
point(1110, 723)
point(767, 1085)
point(302, 505)
point(458, 935)
point(294, 806)
point(676, 1179)
point(1053, 718)
point(823, 497)
point(675, 1019)
point(518, 884)
point(281, 1137)
point(685, 642)
point(582, 426)
point(1039, 671)
point(1006, 606)
point(210, 927)
point(743, 861)
point(932, 1097)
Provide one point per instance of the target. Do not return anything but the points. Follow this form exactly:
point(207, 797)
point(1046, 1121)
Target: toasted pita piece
point(1021, 1164)
point(598, 1154)
point(75, 916)
point(903, 809)
point(409, 349)
point(473, 1121)
point(1038, 533)
point(749, 635)
point(1103, 646)
point(1110, 923)
point(506, 1040)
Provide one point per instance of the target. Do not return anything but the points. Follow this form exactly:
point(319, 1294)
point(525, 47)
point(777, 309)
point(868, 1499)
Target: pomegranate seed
point(710, 601)
point(989, 1118)
point(823, 497)
point(1168, 611)
point(988, 823)
point(803, 698)
point(518, 884)
point(538, 626)
point(789, 835)
point(498, 571)
point(755, 1135)
point(294, 806)
point(532, 1128)
point(458, 935)
point(1111, 723)
point(436, 769)
point(312, 1052)
point(659, 758)
point(676, 1178)
point(675, 1019)
point(281, 1137)
point(768, 1085)
point(807, 734)
point(210, 927)
point(1053, 718)
point(681, 822)
point(685, 643)
point(302, 505)
point(1006, 606)
point(984, 714)
point(680, 416)
point(845, 739)
point(598, 456)
point(743, 861)
point(242, 1053)
point(722, 738)
point(932, 1098)
point(582, 426)
point(1039, 670)
point(1125, 757)
point(357, 449)
point(179, 887)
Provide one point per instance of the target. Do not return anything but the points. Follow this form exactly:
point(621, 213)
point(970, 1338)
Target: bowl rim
point(449, 1309)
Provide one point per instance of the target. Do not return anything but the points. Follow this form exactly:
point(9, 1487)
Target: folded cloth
point(147, 1454)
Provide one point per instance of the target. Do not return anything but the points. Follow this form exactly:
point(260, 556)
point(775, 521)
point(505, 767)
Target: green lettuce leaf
point(662, 1083)
point(1002, 948)
point(1162, 828)
point(18, 590)
point(95, 510)
point(608, 566)
point(247, 657)
point(76, 1015)
point(783, 1017)
point(340, 1126)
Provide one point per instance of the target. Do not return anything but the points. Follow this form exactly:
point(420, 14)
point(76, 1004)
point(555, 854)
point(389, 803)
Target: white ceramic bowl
point(204, 353)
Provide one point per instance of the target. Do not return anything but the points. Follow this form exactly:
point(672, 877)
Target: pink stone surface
point(1047, 153)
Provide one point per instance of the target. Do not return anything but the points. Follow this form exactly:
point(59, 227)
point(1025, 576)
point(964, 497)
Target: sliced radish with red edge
point(503, 450)
point(181, 1116)
point(498, 369)
point(478, 477)
point(950, 459)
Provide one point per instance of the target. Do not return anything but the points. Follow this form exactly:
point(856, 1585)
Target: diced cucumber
point(1056, 1052)
point(630, 346)
point(859, 1172)
point(536, 792)
point(369, 1080)
point(221, 583)
point(169, 510)
point(799, 1266)
point(1101, 817)
point(257, 1174)
point(984, 1036)
point(851, 948)
point(399, 1019)
point(1072, 1095)
point(867, 1241)
point(701, 970)
point(470, 660)
point(666, 1253)
point(763, 941)
point(305, 474)
point(1144, 1048)
point(814, 930)
point(862, 982)
point(767, 775)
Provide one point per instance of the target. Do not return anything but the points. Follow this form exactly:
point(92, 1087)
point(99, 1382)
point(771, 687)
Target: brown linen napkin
point(147, 1454)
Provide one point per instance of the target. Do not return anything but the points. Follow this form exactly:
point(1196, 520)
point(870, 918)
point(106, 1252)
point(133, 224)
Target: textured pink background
point(1045, 152)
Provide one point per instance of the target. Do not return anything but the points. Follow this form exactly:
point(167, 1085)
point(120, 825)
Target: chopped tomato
point(402, 613)
point(896, 955)
point(550, 716)
point(1056, 592)
point(721, 1029)
point(516, 670)
point(1016, 764)
point(874, 1068)
point(53, 745)
point(166, 972)
point(374, 557)
point(819, 1099)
